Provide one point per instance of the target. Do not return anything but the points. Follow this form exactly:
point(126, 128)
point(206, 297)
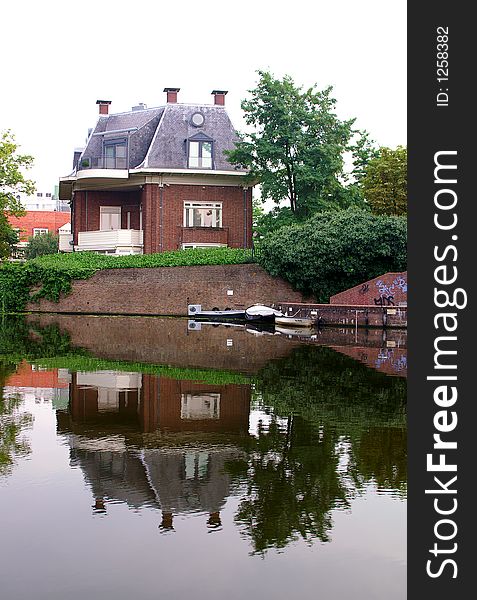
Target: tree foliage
point(12, 183)
point(297, 147)
point(42, 244)
point(335, 250)
point(384, 182)
point(8, 237)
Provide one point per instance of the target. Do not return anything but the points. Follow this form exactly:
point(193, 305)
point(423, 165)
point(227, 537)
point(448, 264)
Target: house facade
point(156, 179)
point(37, 222)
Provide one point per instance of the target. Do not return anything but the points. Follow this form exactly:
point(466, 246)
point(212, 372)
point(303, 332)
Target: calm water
point(161, 458)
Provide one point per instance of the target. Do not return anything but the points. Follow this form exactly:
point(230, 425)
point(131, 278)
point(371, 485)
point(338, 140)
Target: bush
point(334, 251)
point(42, 244)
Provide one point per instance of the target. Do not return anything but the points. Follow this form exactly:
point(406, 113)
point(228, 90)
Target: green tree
point(384, 182)
point(8, 237)
point(336, 250)
point(298, 146)
point(39, 245)
point(12, 183)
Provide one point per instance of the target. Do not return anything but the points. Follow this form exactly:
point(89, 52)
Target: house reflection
point(146, 403)
point(110, 416)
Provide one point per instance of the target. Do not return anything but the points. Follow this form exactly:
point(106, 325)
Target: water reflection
point(13, 423)
point(185, 446)
point(288, 433)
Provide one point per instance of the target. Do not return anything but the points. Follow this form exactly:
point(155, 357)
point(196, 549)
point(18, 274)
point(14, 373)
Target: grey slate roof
point(159, 138)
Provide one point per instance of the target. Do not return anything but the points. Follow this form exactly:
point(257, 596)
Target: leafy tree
point(335, 250)
point(39, 245)
point(267, 222)
point(8, 237)
point(297, 148)
point(384, 182)
point(12, 182)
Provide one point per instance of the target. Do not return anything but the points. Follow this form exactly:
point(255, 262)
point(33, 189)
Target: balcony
point(103, 162)
point(114, 241)
point(205, 235)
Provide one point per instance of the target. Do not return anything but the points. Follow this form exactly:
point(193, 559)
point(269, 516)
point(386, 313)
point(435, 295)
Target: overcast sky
point(59, 57)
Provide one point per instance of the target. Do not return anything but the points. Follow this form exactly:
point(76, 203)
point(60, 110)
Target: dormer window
point(200, 152)
point(115, 154)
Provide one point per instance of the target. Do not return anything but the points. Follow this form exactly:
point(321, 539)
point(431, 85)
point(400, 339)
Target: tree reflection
point(292, 485)
point(379, 455)
point(296, 475)
point(12, 423)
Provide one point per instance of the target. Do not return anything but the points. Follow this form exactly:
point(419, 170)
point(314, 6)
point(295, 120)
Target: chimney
point(140, 106)
point(172, 95)
point(103, 106)
point(219, 97)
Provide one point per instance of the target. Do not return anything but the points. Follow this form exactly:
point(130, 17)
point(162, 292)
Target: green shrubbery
point(41, 245)
point(334, 251)
point(176, 258)
point(51, 275)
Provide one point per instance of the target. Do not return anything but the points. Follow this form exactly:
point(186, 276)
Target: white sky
point(59, 57)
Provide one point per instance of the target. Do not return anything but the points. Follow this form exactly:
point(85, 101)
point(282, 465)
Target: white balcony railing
point(115, 241)
point(110, 380)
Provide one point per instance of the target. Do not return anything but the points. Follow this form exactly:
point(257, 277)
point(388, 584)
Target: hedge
point(334, 251)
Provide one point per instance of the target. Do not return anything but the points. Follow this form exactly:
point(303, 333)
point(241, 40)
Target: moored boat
point(195, 310)
point(294, 322)
point(264, 314)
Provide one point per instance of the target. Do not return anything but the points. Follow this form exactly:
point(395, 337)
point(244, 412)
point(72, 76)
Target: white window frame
point(197, 157)
point(190, 206)
point(109, 210)
point(200, 407)
point(39, 231)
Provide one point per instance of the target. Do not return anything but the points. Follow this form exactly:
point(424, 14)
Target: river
point(166, 458)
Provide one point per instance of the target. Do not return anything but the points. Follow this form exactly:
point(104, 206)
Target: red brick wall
point(168, 290)
point(163, 214)
point(389, 289)
point(34, 219)
point(25, 376)
point(165, 206)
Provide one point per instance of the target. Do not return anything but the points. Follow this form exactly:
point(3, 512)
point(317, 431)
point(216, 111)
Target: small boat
point(264, 314)
point(195, 310)
point(299, 332)
point(294, 322)
point(257, 312)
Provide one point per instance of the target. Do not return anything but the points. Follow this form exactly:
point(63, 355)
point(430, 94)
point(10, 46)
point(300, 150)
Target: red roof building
point(39, 221)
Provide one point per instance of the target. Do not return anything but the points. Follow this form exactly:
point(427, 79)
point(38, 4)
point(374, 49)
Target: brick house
point(36, 222)
point(157, 179)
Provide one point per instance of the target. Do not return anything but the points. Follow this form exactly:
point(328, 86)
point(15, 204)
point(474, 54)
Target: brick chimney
point(172, 95)
point(103, 106)
point(219, 97)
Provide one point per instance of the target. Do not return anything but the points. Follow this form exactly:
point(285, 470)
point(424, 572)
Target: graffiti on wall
point(386, 292)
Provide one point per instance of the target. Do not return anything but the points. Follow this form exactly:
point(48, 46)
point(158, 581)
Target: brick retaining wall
point(168, 291)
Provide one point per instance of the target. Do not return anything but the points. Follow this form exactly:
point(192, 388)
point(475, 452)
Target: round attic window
point(197, 119)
